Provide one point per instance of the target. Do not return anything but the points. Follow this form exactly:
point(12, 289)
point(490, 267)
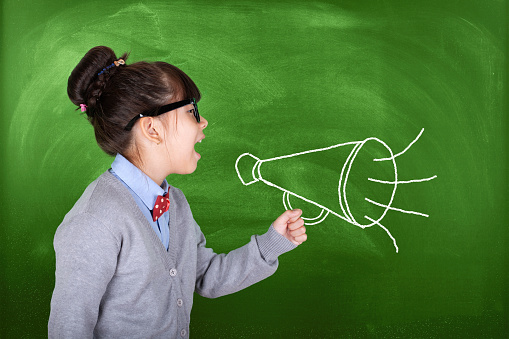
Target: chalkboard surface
point(280, 78)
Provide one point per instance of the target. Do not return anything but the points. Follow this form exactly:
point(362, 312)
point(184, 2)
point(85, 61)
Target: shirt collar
point(138, 182)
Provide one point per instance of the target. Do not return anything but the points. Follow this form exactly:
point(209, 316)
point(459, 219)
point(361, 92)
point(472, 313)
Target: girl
point(129, 254)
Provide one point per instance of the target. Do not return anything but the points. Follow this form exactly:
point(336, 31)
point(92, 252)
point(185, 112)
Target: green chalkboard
point(280, 78)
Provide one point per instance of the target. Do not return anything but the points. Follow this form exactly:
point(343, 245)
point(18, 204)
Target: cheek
point(181, 149)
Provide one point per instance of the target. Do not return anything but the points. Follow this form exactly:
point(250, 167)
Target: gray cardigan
point(115, 279)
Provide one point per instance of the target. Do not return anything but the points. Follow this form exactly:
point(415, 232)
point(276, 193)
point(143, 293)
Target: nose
point(203, 122)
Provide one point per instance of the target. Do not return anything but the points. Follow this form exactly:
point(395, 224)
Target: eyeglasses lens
point(196, 114)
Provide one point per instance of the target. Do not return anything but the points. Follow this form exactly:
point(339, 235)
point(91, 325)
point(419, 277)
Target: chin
point(188, 170)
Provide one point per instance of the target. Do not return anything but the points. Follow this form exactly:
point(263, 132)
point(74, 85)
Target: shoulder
point(84, 230)
point(104, 191)
point(98, 211)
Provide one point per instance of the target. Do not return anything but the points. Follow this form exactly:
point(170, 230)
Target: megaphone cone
point(334, 178)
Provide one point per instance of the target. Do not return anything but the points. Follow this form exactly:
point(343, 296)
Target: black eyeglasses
point(165, 109)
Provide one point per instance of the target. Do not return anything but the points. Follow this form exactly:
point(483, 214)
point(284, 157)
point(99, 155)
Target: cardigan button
point(183, 333)
point(173, 272)
point(180, 302)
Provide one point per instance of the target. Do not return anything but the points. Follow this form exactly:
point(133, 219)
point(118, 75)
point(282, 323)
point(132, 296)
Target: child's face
point(182, 135)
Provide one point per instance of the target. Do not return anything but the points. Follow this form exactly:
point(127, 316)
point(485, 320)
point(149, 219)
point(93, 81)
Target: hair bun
point(84, 85)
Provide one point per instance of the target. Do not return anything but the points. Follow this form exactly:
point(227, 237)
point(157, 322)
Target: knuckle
point(297, 232)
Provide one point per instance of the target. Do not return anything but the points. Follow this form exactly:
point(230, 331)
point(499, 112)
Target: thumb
point(281, 223)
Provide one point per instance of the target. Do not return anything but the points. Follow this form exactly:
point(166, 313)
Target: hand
point(290, 225)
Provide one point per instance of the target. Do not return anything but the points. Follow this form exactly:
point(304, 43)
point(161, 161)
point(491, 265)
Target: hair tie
point(83, 107)
point(114, 64)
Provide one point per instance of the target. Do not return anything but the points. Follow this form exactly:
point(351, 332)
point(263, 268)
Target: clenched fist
point(291, 225)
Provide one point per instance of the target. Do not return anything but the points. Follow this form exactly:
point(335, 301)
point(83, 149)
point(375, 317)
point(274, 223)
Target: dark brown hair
point(121, 92)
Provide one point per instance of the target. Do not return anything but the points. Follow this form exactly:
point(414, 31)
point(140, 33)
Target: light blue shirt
point(144, 191)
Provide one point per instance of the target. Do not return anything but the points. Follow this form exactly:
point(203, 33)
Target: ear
point(149, 128)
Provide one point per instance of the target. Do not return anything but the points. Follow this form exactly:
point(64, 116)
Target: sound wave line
point(402, 182)
point(395, 209)
point(406, 149)
point(386, 230)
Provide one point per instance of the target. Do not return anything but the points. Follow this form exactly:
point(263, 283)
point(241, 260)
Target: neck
point(153, 173)
point(152, 167)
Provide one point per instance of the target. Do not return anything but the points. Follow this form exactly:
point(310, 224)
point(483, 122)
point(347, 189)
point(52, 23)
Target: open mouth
point(199, 141)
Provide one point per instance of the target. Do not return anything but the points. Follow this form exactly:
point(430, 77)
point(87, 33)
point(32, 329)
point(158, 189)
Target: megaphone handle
point(307, 221)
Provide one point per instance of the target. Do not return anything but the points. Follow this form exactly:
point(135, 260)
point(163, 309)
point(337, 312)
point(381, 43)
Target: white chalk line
point(350, 215)
point(256, 174)
point(341, 196)
point(402, 182)
point(307, 221)
point(406, 149)
point(386, 230)
point(395, 209)
point(301, 197)
point(259, 177)
point(252, 172)
point(288, 206)
point(312, 151)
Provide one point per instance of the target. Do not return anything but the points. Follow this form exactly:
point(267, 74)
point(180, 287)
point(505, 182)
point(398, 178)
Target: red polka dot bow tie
point(161, 205)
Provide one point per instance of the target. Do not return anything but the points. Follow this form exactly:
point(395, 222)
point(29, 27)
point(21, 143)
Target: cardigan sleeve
point(86, 254)
point(221, 274)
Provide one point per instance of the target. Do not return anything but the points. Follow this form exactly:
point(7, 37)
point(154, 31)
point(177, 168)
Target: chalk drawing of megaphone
point(342, 180)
